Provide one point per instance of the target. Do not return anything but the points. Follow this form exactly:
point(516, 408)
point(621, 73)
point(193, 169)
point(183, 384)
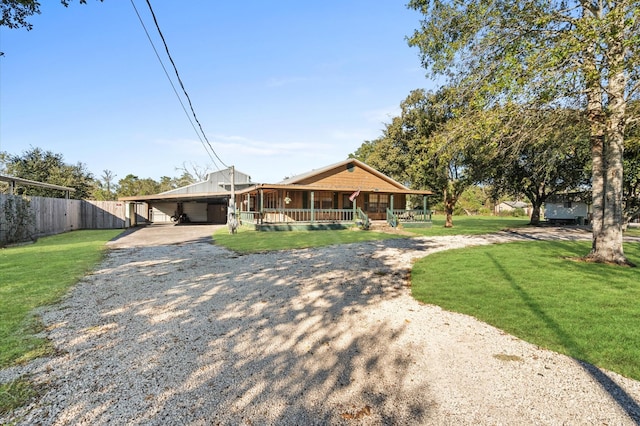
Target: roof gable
point(348, 173)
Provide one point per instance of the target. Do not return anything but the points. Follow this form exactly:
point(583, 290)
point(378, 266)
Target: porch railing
point(398, 216)
point(249, 217)
point(276, 216)
point(362, 220)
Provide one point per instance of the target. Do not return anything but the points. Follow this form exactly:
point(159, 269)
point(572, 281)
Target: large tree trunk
point(449, 205)
point(535, 212)
point(607, 146)
point(537, 196)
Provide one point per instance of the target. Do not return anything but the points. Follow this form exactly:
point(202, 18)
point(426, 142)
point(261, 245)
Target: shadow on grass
point(617, 393)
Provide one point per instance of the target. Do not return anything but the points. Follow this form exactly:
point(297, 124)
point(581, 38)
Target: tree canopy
point(47, 167)
point(576, 53)
point(546, 152)
point(16, 13)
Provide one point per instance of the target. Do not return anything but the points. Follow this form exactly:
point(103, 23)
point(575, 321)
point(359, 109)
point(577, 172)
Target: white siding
point(162, 212)
point(197, 212)
point(558, 211)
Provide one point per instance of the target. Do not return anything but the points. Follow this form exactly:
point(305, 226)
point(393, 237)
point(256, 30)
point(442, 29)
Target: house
point(336, 196)
point(567, 208)
point(510, 206)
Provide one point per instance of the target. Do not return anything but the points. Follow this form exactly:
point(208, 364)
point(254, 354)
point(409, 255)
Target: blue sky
point(280, 87)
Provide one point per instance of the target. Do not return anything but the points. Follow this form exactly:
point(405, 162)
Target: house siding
point(356, 178)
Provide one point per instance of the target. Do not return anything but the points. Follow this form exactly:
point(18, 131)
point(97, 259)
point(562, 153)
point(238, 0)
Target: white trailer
point(567, 208)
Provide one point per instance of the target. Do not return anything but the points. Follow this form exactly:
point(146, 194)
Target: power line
point(166, 48)
point(184, 90)
point(166, 73)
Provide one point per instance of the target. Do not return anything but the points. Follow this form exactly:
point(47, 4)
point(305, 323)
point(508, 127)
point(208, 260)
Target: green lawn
point(633, 232)
point(470, 225)
point(249, 241)
point(36, 275)
point(540, 293)
point(32, 276)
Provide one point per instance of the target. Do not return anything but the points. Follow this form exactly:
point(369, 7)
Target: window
point(323, 200)
point(378, 203)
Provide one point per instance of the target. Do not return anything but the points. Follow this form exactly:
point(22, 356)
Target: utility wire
point(166, 48)
point(166, 73)
point(184, 90)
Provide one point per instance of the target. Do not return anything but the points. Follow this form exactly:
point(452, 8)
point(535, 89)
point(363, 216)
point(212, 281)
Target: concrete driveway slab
point(164, 234)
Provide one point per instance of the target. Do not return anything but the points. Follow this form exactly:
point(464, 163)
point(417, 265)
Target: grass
point(249, 241)
point(37, 275)
point(33, 276)
point(538, 292)
point(632, 232)
point(470, 225)
point(15, 394)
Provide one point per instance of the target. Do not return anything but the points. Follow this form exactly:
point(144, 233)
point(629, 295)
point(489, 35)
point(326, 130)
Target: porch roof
point(329, 188)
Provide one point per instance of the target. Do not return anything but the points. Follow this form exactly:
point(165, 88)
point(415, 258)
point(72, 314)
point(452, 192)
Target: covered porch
point(303, 207)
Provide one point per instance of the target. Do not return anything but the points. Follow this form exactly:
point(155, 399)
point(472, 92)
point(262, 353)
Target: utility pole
point(232, 219)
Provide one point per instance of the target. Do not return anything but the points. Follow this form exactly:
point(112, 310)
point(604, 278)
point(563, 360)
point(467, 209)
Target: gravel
point(193, 334)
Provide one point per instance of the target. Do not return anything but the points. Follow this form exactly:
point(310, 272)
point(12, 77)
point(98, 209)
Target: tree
point(548, 52)
point(547, 153)
point(105, 187)
point(428, 147)
point(132, 185)
point(15, 13)
point(48, 167)
point(192, 173)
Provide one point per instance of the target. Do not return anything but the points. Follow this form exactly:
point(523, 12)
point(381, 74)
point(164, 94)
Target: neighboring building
point(338, 195)
point(509, 206)
point(567, 208)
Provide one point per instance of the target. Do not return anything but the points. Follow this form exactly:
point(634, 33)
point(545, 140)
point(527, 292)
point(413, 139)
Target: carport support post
point(129, 215)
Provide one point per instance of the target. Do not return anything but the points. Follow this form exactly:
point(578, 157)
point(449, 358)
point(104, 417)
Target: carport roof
point(175, 197)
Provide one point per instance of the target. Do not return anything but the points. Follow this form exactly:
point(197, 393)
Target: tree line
point(45, 166)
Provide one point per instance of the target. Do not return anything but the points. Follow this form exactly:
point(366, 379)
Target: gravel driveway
point(193, 334)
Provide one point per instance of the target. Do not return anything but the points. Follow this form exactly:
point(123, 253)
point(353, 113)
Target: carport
point(202, 202)
point(199, 208)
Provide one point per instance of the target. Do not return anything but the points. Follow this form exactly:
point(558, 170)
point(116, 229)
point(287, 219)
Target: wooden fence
point(28, 218)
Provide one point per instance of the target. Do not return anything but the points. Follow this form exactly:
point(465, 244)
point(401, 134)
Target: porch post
point(424, 207)
point(391, 202)
point(312, 209)
point(261, 205)
point(355, 217)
